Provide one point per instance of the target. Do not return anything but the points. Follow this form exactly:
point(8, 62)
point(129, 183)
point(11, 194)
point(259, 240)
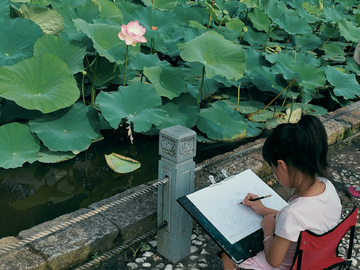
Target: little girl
point(298, 155)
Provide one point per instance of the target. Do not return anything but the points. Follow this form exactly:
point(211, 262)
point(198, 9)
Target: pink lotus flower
point(132, 32)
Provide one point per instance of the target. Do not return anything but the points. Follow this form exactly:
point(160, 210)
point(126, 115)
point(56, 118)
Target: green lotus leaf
point(41, 83)
point(332, 15)
point(311, 76)
point(259, 20)
point(11, 50)
point(10, 111)
point(262, 116)
point(59, 3)
point(236, 25)
point(145, 60)
point(254, 37)
point(349, 31)
point(49, 20)
point(182, 110)
point(71, 53)
point(127, 7)
point(218, 55)
point(308, 108)
point(307, 43)
point(293, 25)
point(161, 4)
point(109, 10)
point(84, 11)
point(125, 103)
point(47, 156)
point(104, 71)
point(70, 129)
point(195, 24)
point(244, 107)
point(5, 8)
point(17, 145)
point(345, 85)
point(168, 81)
point(312, 9)
point(332, 49)
point(254, 129)
point(221, 123)
point(266, 80)
point(250, 3)
point(185, 15)
point(121, 164)
point(106, 40)
point(255, 60)
point(165, 22)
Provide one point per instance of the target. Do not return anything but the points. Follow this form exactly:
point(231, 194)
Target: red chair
point(315, 252)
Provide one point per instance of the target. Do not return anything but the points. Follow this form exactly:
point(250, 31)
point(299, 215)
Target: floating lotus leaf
point(348, 30)
point(70, 129)
point(236, 25)
point(244, 107)
point(49, 20)
point(47, 156)
point(185, 15)
point(182, 110)
point(219, 56)
point(106, 40)
point(121, 164)
point(125, 103)
point(345, 85)
point(221, 123)
point(11, 50)
point(291, 116)
point(127, 7)
point(255, 60)
point(250, 3)
point(41, 83)
point(308, 108)
point(71, 53)
point(17, 145)
point(168, 81)
point(254, 129)
point(261, 116)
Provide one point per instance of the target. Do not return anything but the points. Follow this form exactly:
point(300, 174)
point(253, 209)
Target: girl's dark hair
point(302, 146)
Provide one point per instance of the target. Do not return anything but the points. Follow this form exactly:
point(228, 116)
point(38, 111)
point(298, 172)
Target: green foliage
point(248, 54)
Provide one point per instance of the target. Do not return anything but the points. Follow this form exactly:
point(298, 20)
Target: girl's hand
point(268, 224)
point(257, 206)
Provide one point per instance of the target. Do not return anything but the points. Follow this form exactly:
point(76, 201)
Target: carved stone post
point(177, 148)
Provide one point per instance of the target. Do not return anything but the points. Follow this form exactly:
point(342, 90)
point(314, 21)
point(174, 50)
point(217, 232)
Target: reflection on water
point(39, 192)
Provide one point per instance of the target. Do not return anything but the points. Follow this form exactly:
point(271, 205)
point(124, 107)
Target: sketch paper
point(219, 204)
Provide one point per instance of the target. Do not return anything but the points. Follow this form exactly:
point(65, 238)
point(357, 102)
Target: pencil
point(259, 198)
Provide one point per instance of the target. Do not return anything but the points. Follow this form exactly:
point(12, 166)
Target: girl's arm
point(275, 248)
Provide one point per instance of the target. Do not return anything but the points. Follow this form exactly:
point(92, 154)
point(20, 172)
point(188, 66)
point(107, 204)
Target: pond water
point(40, 192)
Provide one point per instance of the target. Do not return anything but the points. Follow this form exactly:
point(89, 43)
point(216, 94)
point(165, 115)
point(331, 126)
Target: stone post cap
point(177, 143)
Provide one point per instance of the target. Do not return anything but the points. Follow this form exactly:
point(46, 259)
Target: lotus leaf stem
point(202, 83)
point(93, 82)
point(126, 57)
point(82, 86)
point(238, 98)
point(280, 94)
point(329, 37)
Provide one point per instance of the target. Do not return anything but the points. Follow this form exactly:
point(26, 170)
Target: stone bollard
point(177, 148)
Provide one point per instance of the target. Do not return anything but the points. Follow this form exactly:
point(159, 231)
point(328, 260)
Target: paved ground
point(345, 168)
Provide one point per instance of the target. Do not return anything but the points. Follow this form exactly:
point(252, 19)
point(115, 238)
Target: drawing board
point(236, 228)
